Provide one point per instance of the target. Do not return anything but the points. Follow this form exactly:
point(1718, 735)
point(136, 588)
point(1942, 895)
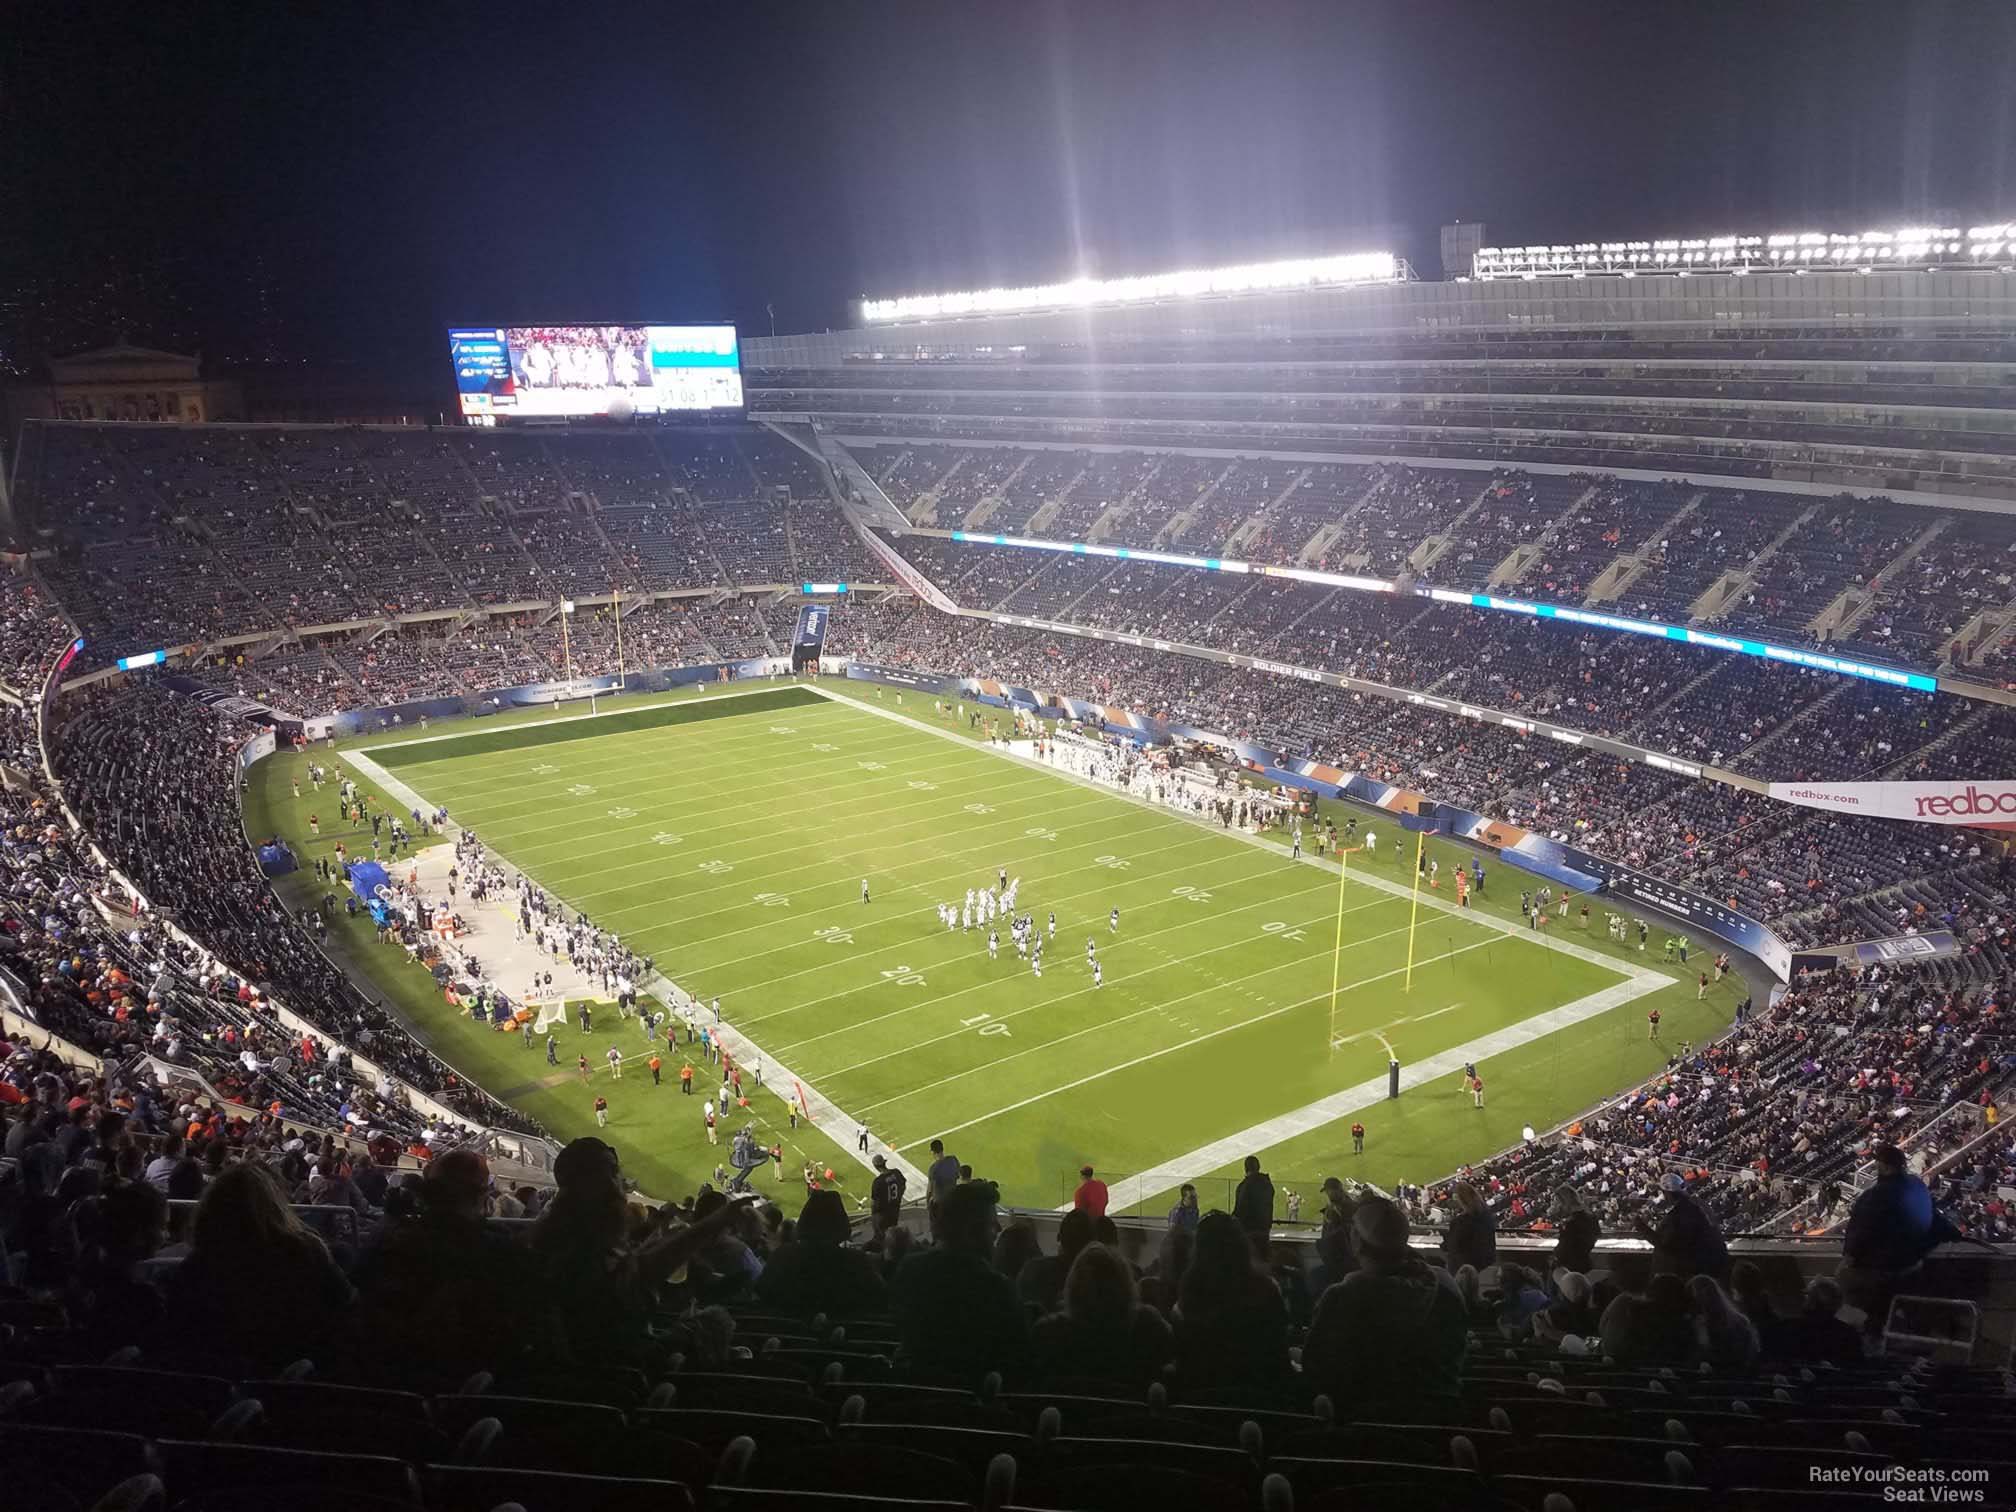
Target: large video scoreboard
point(569, 371)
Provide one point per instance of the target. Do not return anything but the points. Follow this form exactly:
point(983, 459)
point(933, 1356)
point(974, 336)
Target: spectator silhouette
point(819, 1273)
point(1655, 1328)
point(1891, 1229)
point(1041, 1283)
point(1160, 1286)
point(956, 1316)
point(431, 1290)
point(1726, 1338)
point(1817, 1335)
point(1253, 1203)
point(1103, 1330)
point(1231, 1324)
point(1016, 1247)
point(585, 1253)
point(1578, 1230)
point(256, 1281)
point(1394, 1327)
point(1572, 1312)
point(1472, 1236)
point(1685, 1239)
point(120, 1305)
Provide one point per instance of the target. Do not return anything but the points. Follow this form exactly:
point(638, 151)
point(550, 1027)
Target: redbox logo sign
point(1812, 795)
point(1972, 803)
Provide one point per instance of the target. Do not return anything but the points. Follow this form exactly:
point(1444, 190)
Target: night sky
point(340, 181)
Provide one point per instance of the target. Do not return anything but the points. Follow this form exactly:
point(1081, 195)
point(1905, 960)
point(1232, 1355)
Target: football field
point(728, 838)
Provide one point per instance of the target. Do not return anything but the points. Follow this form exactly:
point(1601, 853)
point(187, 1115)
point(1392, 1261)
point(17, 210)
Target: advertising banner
point(1902, 950)
point(1978, 805)
point(907, 575)
point(1695, 908)
point(901, 677)
point(534, 695)
point(258, 748)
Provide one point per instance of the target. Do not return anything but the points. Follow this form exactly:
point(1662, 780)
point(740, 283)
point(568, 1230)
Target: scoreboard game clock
point(586, 371)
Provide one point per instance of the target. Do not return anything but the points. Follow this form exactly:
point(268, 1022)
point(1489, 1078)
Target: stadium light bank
point(1916, 248)
point(1203, 283)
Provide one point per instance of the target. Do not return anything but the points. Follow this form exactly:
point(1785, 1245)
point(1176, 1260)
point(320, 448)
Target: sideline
point(829, 1116)
point(1205, 1159)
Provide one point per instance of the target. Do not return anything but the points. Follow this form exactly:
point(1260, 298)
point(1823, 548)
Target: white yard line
point(778, 1077)
point(1195, 1040)
point(387, 782)
point(1367, 1094)
point(744, 690)
point(1359, 873)
point(839, 1124)
point(1057, 1002)
point(510, 773)
point(937, 933)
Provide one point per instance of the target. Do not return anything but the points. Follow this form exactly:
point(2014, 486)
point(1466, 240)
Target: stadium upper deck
point(1891, 382)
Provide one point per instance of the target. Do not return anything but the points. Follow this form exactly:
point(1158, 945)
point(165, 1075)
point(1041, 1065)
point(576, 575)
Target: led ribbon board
point(1818, 661)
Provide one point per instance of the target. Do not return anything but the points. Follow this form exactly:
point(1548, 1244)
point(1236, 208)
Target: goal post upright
point(1414, 908)
point(1337, 950)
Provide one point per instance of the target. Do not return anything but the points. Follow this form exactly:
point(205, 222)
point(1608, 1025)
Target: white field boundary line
point(1152, 1055)
point(1358, 873)
point(687, 795)
point(937, 802)
point(1054, 1002)
point(825, 1112)
point(1205, 1159)
point(850, 906)
point(978, 937)
point(544, 873)
point(1161, 1006)
point(390, 784)
point(743, 691)
point(940, 863)
point(934, 817)
point(503, 768)
point(1638, 979)
point(837, 859)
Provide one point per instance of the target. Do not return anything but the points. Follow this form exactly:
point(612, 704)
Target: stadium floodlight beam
point(1086, 293)
point(1907, 247)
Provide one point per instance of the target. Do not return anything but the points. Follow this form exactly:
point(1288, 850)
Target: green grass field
point(727, 838)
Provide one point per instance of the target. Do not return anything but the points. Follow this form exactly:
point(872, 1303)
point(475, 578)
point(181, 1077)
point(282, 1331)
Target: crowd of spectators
point(1774, 1119)
point(171, 535)
point(1815, 877)
point(181, 535)
point(797, 1348)
point(153, 778)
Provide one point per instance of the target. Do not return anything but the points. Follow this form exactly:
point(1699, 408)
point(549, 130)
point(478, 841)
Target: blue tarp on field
point(366, 877)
